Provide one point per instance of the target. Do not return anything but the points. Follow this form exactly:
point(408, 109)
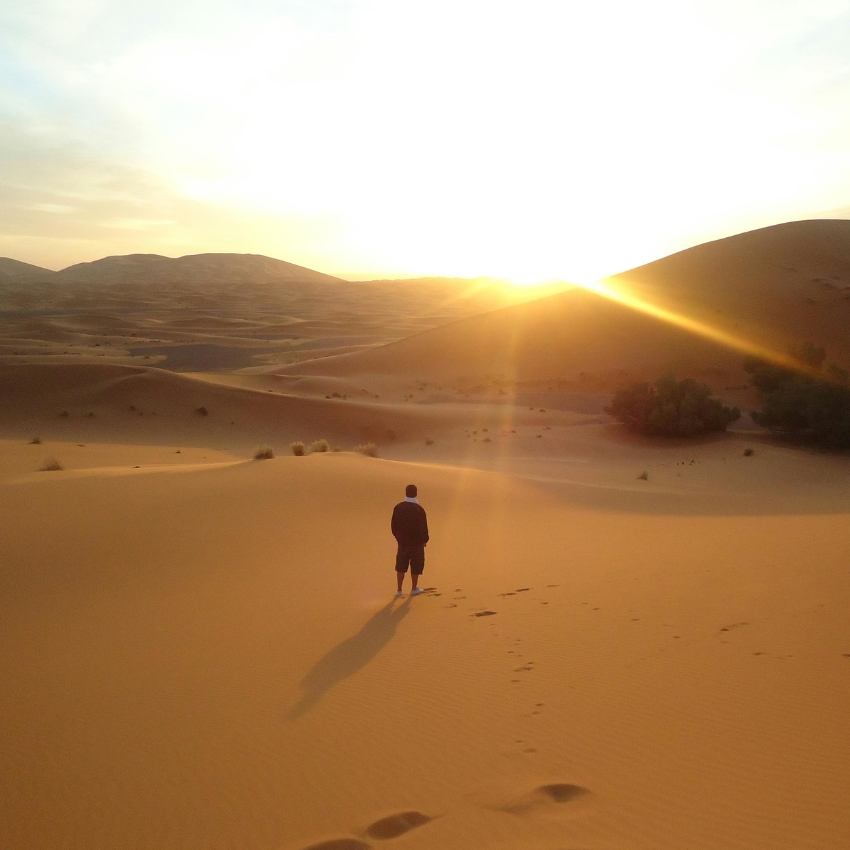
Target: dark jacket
point(410, 525)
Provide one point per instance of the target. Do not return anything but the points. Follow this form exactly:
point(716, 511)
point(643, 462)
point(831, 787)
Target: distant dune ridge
point(776, 287)
point(15, 268)
point(214, 312)
point(153, 268)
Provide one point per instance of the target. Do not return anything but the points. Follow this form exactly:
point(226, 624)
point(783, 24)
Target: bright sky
point(530, 140)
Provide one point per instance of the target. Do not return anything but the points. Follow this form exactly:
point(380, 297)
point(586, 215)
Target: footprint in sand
point(553, 798)
point(395, 825)
point(339, 844)
point(556, 793)
point(484, 613)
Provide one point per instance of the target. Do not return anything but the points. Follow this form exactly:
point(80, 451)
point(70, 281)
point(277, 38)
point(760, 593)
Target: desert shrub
point(51, 465)
point(297, 448)
point(813, 403)
point(263, 453)
point(671, 408)
point(35, 441)
point(369, 449)
point(644, 476)
point(748, 452)
point(319, 446)
point(202, 411)
point(809, 355)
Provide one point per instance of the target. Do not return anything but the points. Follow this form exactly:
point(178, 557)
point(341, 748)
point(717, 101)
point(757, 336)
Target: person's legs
point(417, 565)
point(402, 560)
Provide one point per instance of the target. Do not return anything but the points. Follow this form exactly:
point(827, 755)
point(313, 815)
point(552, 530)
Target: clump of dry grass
point(263, 453)
point(202, 411)
point(51, 465)
point(644, 476)
point(297, 448)
point(368, 449)
point(748, 452)
point(35, 441)
point(319, 446)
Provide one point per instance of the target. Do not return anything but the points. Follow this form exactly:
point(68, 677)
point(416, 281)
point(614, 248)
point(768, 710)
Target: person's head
point(410, 491)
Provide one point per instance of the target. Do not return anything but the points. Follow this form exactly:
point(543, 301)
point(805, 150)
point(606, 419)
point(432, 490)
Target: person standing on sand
point(410, 529)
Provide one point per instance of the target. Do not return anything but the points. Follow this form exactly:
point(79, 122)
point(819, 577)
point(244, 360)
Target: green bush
point(802, 403)
point(671, 408)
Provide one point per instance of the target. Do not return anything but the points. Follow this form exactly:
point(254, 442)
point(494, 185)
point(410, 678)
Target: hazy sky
point(529, 140)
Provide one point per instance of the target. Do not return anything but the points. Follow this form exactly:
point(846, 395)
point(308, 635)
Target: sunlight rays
point(694, 326)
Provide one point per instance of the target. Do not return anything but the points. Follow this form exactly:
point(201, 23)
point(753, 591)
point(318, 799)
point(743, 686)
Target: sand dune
point(217, 312)
point(15, 268)
point(776, 287)
point(213, 658)
point(150, 406)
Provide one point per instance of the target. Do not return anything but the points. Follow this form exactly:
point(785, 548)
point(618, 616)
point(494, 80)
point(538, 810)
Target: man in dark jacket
point(410, 529)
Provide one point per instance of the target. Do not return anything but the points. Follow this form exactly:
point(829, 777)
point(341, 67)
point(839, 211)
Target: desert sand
point(202, 650)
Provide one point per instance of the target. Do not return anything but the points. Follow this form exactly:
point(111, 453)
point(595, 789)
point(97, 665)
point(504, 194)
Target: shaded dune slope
point(774, 287)
point(153, 406)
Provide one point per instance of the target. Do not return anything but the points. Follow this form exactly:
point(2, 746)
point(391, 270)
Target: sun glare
point(617, 293)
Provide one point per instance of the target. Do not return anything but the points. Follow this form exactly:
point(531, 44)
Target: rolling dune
point(774, 287)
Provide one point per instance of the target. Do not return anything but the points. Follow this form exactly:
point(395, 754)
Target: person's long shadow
point(346, 658)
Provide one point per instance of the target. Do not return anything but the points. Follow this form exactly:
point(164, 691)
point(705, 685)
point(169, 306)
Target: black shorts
point(414, 556)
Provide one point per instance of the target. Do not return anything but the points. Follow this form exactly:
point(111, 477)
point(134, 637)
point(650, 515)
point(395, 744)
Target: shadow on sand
point(348, 657)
